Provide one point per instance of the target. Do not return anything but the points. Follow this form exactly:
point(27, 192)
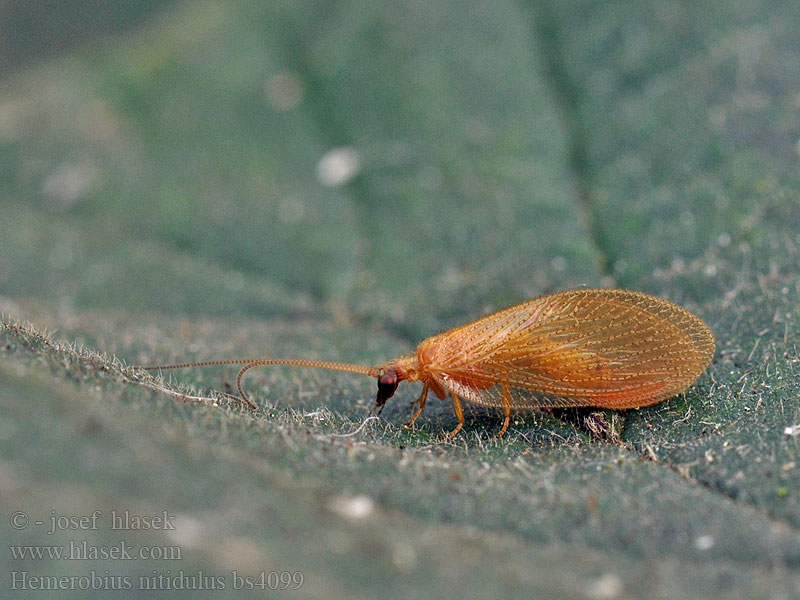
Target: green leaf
point(337, 181)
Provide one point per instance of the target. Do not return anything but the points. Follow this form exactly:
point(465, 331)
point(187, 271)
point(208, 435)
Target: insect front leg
point(459, 414)
point(506, 410)
point(421, 402)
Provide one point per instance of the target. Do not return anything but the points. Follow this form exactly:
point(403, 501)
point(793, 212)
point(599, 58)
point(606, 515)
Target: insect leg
point(506, 410)
point(459, 414)
point(421, 403)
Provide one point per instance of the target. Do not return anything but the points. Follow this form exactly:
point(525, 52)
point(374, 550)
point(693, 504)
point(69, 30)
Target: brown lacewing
point(604, 348)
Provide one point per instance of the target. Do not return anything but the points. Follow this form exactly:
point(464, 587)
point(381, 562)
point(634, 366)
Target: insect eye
point(387, 384)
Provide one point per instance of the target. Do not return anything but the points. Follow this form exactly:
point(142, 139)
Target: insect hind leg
point(506, 411)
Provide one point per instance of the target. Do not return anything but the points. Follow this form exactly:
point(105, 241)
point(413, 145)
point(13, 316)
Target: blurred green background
point(338, 180)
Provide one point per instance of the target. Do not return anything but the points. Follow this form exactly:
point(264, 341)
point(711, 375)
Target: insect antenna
point(249, 363)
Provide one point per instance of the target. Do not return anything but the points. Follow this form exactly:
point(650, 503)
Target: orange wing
point(606, 348)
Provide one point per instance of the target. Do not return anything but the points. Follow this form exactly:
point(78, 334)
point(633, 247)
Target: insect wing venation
point(608, 348)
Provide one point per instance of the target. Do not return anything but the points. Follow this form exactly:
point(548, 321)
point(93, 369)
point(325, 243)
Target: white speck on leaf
point(704, 542)
point(338, 166)
point(355, 507)
point(605, 587)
